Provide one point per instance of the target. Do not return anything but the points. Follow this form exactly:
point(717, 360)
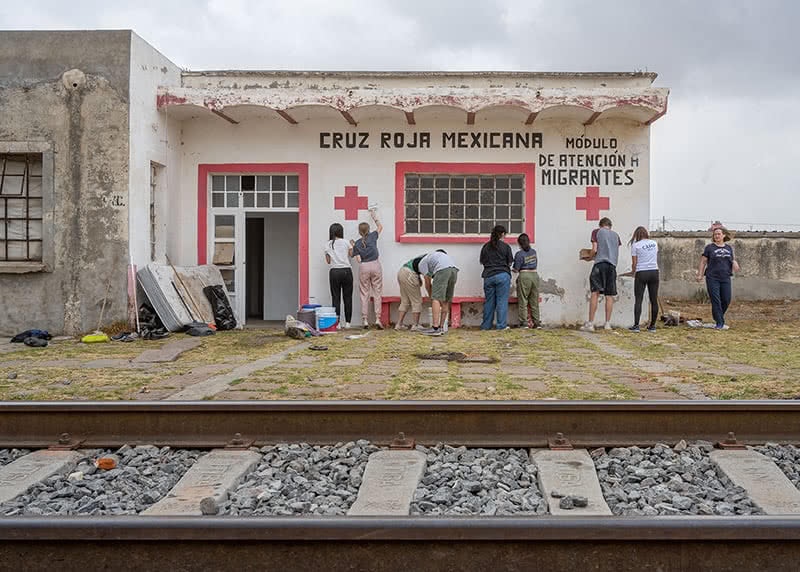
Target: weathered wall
point(83, 117)
point(154, 137)
point(770, 263)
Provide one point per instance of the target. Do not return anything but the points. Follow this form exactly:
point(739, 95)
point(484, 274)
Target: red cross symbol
point(592, 203)
point(350, 203)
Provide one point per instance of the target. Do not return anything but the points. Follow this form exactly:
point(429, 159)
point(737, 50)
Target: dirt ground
point(759, 357)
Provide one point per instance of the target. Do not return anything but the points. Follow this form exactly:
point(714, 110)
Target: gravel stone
point(129, 489)
point(664, 480)
point(9, 455)
point(487, 482)
point(298, 478)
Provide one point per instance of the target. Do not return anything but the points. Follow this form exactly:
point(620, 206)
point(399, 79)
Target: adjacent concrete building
point(115, 157)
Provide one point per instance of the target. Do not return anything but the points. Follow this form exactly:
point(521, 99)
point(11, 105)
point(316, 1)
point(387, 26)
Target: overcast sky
point(728, 148)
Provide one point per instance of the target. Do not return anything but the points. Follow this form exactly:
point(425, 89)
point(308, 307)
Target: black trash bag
point(40, 334)
point(223, 313)
point(150, 324)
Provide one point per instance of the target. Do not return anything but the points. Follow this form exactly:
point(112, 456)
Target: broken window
point(463, 204)
point(21, 207)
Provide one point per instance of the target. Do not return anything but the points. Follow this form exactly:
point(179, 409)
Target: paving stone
point(576, 376)
point(17, 476)
point(764, 482)
point(348, 362)
point(288, 365)
point(369, 378)
point(690, 391)
point(466, 368)
point(559, 366)
point(476, 375)
point(570, 473)
point(168, 352)
point(255, 386)
point(389, 482)
point(235, 395)
point(323, 381)
point(660, 395)
point(681, 363)
point(306, 390)
point(739, 369)
point(594, 388)
point(523, 371)
point(212, 476)
point(430, 365)
point(220, 383)
point(365, 387)
point(651, 366)
point(532, 385)
point(604, 345)
point(110, 363)
point(477, 385)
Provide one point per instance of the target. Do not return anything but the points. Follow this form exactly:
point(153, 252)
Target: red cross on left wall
point(350, 203)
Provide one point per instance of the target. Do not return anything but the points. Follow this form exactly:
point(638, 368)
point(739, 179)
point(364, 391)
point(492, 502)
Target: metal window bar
point(463, 204)
point(7, 194)
point(260, 191)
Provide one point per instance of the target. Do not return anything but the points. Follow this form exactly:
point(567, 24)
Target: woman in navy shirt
point(718, 265)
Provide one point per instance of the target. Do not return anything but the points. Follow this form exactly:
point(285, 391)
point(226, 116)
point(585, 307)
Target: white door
point(227, 246)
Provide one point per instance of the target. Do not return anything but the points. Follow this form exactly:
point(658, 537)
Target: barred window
point(255, 191)
point(463, 204)
point(21, 207)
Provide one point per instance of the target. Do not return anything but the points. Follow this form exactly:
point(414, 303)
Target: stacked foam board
point(179, 302)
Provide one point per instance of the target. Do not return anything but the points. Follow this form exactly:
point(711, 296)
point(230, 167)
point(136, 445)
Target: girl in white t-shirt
point(337, 254)
point(644, 258)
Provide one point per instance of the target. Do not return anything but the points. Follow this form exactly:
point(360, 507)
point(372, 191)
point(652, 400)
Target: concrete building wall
point(560, 228)
point(68, 91)
point(154, 138)
point(770, 264)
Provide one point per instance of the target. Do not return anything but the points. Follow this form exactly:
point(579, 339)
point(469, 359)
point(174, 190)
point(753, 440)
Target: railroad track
point(570, 485)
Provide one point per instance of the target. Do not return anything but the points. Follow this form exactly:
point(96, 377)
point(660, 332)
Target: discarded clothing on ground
point(199, 329)
point(125, 337)
point(150, 325)
point(35, 342)
point(41, 334)
point(223, 313)
point(299, 330)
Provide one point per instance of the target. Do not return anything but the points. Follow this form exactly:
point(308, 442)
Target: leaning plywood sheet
point(177, 296)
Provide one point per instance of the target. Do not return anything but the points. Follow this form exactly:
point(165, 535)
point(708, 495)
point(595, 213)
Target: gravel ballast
point(298, 478)
point(787, 457)
point(9, 455)
point(663, 480)
point(488, 482)
point(144, 475)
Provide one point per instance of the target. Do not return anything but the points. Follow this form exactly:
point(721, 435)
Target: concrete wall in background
point(770, 263)
point(68, 91)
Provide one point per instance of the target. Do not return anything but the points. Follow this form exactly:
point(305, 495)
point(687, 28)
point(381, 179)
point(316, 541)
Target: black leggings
point(649, 279)
point(341, 280)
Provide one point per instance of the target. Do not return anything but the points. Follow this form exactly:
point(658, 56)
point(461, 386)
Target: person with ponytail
point(496, 259)
point(341, 274)
point(370, 274)
point(644, 267)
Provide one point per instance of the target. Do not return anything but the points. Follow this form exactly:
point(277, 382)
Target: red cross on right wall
point(592, 203)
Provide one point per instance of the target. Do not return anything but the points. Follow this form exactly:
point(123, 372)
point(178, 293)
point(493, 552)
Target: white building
point(247, 170)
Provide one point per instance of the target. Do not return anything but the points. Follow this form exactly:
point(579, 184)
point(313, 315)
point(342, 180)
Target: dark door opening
point(254, 267)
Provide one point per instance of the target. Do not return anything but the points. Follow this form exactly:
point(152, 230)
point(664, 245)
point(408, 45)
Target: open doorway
point(271, 271)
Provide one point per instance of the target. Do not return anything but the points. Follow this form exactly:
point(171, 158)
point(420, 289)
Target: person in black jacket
point(496, 258)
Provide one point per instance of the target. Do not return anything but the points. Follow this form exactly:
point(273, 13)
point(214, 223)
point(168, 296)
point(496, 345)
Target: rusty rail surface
point(472, 423)
point(409, 543)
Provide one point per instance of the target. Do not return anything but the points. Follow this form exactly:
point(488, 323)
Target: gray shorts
point(444, 284)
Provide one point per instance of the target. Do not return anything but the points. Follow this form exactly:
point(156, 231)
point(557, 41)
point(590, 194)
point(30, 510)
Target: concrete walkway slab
point(18, 476)
point(764, 482)
point(222, 382)
point(168, 352)
point(212, 476)
point(390, 479)
point(570, 473)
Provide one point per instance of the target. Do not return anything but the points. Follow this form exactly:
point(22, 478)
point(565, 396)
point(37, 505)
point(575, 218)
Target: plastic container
point(327, 323)
point(311, 307)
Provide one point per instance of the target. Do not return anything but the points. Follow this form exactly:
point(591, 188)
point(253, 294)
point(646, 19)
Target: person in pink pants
point(370, 275)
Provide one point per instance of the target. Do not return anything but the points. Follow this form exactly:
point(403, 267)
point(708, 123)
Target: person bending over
point(441, 275)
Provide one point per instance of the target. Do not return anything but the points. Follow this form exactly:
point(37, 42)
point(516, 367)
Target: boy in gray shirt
point(603, 278)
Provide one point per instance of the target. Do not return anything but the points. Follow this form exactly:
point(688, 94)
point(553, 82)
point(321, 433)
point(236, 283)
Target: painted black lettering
point(362, 144)
point(337, 140)
point(462, 140)
point(508, 140)
point(385, 144)
point(350, 140)
point(448, 137)
point(536, 140)
point(523, 141)
point(629, 177)
point(323, 144)
point(476, 140)
point(425, 140)
point(492, 143)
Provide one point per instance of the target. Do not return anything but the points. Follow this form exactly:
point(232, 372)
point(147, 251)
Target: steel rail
point(472, 423)
point(418, 543)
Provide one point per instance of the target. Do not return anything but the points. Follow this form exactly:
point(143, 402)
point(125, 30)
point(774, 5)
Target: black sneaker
point(634, 329)
point(651, 329)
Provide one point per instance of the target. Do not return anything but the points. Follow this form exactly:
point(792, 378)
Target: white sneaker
point(338, 325)
point(587, 327)
point(444, 325)
point(347, 325)
point(378, 325)
point(608, 326)
point(365, 323)
point(398, 327)
point(416, 328)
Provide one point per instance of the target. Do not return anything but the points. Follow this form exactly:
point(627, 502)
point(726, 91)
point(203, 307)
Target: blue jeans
point(720, 293)
point(495, 290)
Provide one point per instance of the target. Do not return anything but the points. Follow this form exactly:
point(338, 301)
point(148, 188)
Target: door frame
point(204, 171)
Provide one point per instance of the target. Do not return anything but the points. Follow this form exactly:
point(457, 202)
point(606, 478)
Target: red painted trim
point(401, 168)
point(300, 169)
